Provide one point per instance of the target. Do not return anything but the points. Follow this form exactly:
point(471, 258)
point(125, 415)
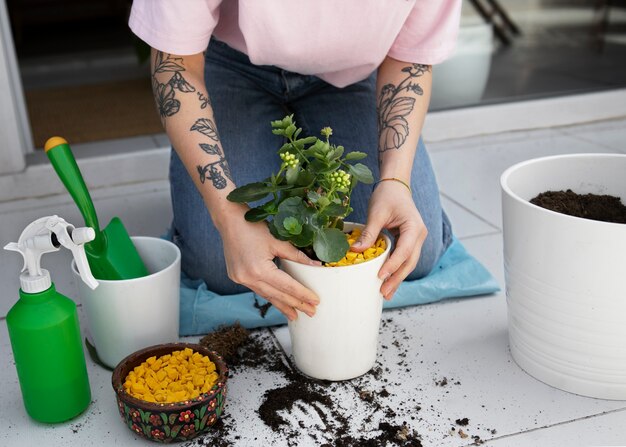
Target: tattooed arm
point(403, 95)
point(186, 113)
point(187, 117)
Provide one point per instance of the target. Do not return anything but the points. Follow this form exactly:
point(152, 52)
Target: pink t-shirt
point(340, 41)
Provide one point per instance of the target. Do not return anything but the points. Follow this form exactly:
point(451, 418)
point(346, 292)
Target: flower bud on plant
point(326, 132)
point(340, 178)
point(289, 160)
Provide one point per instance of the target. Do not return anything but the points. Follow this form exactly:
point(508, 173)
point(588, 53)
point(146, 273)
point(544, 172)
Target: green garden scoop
point(112, 254)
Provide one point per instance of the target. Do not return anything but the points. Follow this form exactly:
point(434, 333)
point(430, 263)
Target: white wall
point(15, 136)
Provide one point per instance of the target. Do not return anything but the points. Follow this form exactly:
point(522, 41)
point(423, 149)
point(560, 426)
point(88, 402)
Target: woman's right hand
point(249, 250)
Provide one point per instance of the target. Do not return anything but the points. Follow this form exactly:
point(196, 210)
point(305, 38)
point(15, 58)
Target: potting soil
point(605, 208)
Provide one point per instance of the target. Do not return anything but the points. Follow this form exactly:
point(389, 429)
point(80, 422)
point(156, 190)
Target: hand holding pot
point(250, 249)
point(391, 207)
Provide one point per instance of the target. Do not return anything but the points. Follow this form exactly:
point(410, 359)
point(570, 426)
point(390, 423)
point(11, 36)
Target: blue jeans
point(245, 98)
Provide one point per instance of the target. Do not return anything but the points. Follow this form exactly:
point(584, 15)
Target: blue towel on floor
point(457, 274)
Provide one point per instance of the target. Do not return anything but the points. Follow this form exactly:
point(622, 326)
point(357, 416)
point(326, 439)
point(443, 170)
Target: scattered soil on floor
point(462, 422)
point(604, 208)
point(281, 406)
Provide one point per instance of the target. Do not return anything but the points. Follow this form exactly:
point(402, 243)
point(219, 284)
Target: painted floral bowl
point(170, 422)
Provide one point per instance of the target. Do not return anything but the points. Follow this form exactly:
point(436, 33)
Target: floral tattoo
point(210, 170)
point(218, 172)
point(394, 108)
point(165, 93)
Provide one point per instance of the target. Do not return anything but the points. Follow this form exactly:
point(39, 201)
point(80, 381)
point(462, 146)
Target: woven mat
point(87, 113)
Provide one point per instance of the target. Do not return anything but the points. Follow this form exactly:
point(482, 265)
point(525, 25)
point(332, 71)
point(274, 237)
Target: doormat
point(86, 113)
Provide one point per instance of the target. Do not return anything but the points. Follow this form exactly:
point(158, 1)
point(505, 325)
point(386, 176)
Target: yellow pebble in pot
point(352, 257)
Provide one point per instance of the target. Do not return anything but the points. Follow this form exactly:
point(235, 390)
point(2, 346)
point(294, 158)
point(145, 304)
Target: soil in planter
point(604, 208)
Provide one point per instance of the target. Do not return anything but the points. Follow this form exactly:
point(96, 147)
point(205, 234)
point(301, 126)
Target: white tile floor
point(463, 340)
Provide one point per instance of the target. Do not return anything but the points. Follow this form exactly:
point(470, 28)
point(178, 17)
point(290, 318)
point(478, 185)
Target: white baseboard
point(122, 167)
point(40, 180)
point(524, 115)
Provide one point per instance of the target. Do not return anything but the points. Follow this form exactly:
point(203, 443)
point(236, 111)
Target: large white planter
point(566, 276)
point(340, 341)
point(128, 315)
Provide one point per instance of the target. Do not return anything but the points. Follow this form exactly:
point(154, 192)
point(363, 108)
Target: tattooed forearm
point(394, 108)
point(165, 93)
point(168, 81)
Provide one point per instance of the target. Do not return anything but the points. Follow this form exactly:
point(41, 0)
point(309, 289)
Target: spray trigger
point(46, 235)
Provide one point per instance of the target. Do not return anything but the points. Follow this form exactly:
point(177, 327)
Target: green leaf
point(249, 192)
point(292, 225)
point(335, 210)
point(330, 245)
point(305, 238)
point(313, 196)
point(361, 172)
point(323, 201)
point(321, 167)
point(253, 192)
point(355, 155)
point(292, 175)
point(290, 207)
point(305, 178)
point(290, 130)
point(295, 192)
point(306, 140)
point(274, 232)
point(258, 214)
point(337, 152)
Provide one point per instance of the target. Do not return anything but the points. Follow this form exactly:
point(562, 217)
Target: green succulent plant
point(310, 194)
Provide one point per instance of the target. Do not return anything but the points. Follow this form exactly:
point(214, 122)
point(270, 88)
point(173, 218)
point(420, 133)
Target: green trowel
point(112, 254)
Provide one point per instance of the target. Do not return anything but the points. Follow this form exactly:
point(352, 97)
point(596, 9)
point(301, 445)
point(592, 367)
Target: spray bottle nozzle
point(46, 235)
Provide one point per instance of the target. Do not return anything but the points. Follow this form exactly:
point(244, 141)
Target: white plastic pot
point(128, 315)
point(340, 341)
point(566, 291)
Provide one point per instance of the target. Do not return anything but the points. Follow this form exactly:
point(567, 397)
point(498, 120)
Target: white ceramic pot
point(128, 315)
point(461, 79)
point(340, 341)
point(565, 284)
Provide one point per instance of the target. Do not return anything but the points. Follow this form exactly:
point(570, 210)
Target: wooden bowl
point(170, 422)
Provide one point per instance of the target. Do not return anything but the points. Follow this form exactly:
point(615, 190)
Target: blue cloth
point(456, 275)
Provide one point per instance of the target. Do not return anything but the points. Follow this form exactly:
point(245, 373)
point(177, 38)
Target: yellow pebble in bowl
point(176, 377)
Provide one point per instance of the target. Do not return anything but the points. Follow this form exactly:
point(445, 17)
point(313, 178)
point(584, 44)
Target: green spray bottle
point(43, 325)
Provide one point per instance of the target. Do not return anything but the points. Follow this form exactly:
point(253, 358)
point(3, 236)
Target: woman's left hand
point(391, 207)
